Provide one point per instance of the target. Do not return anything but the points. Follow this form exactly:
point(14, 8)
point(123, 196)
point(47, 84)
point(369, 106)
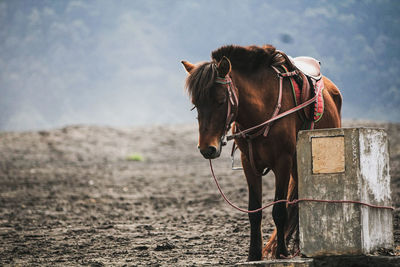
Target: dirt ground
point(101, 196)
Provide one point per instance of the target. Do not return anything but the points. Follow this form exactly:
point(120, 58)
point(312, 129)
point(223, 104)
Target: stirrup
point(233, 167)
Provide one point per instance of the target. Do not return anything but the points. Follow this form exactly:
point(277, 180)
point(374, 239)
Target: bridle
point(233, 103)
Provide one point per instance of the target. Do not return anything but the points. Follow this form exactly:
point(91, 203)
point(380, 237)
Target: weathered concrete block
point(344, 164)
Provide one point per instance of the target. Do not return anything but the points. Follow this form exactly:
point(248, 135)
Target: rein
point(288, 202)
point(233, 104)
point(275, 115)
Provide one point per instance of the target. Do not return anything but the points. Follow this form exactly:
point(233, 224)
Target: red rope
point(292, 256)
point(290, 202)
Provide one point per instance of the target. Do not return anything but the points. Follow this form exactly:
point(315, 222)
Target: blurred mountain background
point(117, 63)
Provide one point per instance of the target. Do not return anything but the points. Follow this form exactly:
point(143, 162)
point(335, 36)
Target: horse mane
point(200, 80)
point(249, 58)
point(243, 58)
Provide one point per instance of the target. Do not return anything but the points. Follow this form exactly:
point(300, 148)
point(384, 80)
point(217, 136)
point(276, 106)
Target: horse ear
point(224, 67)
point(188, 66)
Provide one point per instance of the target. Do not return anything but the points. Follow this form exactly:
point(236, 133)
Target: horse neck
point(257, 94)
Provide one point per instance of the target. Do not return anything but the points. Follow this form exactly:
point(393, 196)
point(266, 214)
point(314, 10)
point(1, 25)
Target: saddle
point(308, 65)
point(310, 72)
point(310, 80)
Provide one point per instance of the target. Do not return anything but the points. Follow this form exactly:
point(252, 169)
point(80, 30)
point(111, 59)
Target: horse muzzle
point(211, 152)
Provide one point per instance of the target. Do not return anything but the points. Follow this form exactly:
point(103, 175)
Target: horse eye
point(192, 108)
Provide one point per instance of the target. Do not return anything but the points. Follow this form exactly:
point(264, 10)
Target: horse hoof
point(254, 257)
point(281, 253)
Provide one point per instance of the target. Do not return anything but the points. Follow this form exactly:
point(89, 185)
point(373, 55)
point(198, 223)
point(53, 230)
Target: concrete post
point(344, 164)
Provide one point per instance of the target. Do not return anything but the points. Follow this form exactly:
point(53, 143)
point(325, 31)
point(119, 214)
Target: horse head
point(212, 93)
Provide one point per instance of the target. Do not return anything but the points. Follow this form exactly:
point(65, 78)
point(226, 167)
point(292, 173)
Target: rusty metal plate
point(327, 154)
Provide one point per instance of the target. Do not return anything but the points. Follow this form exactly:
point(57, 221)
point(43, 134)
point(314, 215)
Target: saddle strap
point(278, 103)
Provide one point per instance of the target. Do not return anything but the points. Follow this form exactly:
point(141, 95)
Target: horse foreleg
point(291, 226)
point(279, 212)
point(255, 200)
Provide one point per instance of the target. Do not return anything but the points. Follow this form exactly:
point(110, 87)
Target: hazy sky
point(118, 62)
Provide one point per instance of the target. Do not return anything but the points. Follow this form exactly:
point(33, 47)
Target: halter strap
point(233, 101)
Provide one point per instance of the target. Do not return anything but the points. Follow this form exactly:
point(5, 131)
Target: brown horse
point(248, 76)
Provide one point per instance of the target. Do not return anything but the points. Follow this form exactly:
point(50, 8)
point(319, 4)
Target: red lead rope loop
point(291, 202)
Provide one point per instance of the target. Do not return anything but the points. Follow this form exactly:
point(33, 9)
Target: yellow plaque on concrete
point(327, 154)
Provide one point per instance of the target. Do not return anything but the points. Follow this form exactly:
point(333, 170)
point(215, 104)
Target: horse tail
point(270, 248)
point(292, 225)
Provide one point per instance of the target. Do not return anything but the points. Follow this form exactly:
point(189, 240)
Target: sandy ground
point(70, 197)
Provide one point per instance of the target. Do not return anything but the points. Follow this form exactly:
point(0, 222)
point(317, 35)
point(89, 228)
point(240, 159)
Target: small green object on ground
point(134, 157)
